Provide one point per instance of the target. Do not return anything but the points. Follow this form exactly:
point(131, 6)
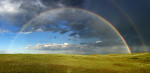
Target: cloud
point(4, 31)
point(19, 12)
point(62, 3)
point(86, 48)
point(25, 32)
point(3, 51)
point(7, 7)
point(99, 41)
point(53, 46)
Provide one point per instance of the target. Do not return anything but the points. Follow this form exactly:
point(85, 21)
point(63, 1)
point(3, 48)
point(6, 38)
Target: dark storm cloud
point(73, 34)
point(70, 3)
point(137, 10)
point(63, 31)
point(140, 16)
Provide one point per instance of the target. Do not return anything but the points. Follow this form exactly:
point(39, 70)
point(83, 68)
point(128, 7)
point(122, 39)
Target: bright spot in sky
point(8, 7)
point(99, 41)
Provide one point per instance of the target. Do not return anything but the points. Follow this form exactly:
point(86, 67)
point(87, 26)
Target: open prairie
point(61, 63)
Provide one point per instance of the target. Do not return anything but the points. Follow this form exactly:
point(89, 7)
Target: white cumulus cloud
point(99, 41)
point(3, 31)
point(53, 46)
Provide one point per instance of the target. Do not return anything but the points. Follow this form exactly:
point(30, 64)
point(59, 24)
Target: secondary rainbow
point(132, 23)
point(98, 16)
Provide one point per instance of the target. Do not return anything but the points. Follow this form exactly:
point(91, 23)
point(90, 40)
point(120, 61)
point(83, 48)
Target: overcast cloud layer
point(19, 12)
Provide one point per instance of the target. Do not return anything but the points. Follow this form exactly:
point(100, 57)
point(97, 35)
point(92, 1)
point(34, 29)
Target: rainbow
point(131, 22)
point(98, 16)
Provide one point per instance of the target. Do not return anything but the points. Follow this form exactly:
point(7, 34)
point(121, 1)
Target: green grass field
point(60, 63)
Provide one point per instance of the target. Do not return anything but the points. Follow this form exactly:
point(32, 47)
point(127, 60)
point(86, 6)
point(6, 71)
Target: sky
point(47, 26)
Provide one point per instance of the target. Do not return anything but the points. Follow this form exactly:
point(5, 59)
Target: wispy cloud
point(3, 51)
point(25, 32)
point(4, 31)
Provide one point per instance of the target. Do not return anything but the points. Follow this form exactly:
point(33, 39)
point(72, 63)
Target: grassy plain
point(61, 63)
